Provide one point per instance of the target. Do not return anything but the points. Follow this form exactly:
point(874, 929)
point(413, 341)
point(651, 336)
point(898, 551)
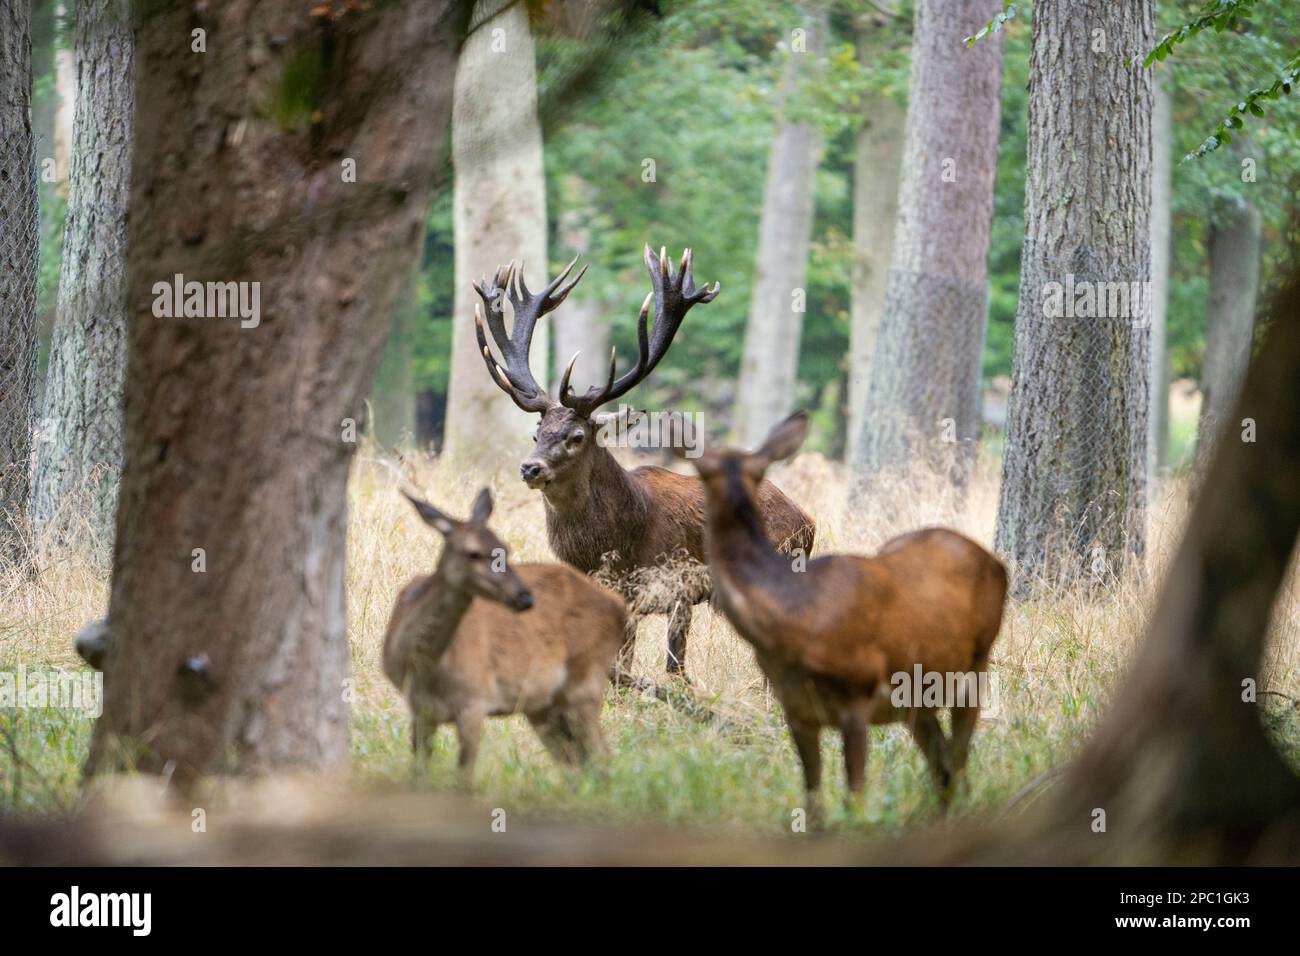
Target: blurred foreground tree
point(293, 156)
point(81, 434)
point(500, 216)
point(923, 397)
point(19, 261)
point(1073, 496)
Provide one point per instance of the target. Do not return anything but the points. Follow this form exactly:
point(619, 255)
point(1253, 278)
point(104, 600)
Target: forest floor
point(718, 756)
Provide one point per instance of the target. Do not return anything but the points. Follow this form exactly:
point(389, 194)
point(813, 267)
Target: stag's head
point(568, 427)
point(731, 476)
point(474, 559)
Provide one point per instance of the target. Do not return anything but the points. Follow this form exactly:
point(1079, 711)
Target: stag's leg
point(807, 741)
point(469, 728)
point(924, 724)
point(679, 625)
point(621, 675)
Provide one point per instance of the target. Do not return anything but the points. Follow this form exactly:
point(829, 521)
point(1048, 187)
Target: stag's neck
point(429, 622)
point(598, 509)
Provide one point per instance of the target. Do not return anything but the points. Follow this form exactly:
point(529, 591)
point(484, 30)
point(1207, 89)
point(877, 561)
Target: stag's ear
point(784, 439)
point(432, 516)
point(482, 507)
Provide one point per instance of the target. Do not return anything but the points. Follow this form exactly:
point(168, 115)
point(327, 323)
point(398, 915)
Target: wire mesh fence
point(20, 243)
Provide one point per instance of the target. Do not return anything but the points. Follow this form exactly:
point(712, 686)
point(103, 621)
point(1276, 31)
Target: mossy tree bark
point(227, 610)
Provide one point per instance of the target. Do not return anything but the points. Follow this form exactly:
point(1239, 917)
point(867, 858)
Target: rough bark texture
point(235, 437)
point(1230, 318)
point(80, 449)
point(771, 350)
point(500, 215)
point(1074, 471)
point(876, 168)
point(19, 259)
point(1161, 212)
point(923, 396)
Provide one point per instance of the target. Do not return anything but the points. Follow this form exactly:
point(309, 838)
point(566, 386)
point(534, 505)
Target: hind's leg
point(422, 730)
point(556, 735)
point(469, 727)
point(679, 626)
point(924, 724)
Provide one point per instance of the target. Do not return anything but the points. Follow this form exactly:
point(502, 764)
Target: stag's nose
point(530, 471)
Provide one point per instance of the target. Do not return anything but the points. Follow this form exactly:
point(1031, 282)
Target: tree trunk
point(227, 609)
point(770, 361)
point(500, 215)
point(876, 166)
point(1181, 764)
point(392, 399)
point(65, 93)
point(19, 262)
point(1074, 472)
point(923, 399)
point(81, 434)
point(1230, 317)
point(1161, 212)
point(579, 326)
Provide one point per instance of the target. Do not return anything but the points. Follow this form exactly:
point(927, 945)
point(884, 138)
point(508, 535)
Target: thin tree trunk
point(65, 87)
point(1161, 212)
point(227, 612)
point(500, 216)
point(19, 262)
point(923, 397)
point(579, 327)
point(1234, 241)
point(1073, 495)
point(771, 350)
point(81, 436)
point(876, 167)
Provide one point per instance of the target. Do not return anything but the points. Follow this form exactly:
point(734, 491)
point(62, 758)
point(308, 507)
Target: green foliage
point(993, 26)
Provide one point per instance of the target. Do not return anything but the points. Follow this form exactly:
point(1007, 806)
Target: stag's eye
point(475, 555)
point(576, 439)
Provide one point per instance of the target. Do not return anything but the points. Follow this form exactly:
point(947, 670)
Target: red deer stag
point(478, 638)
point(599, 516)
point(833, 637)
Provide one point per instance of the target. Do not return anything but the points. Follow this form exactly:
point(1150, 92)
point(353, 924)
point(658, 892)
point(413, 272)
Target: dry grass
point(1058, 660)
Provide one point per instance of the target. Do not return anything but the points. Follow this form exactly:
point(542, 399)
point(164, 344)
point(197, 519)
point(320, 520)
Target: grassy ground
point(1057, 662)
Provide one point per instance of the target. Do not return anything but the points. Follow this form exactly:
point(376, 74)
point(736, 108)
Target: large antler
point(674, 294)
point(516, 378)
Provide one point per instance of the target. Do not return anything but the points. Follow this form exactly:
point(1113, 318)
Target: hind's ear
point(482, 507)
point(431, 515)
point(784, 439)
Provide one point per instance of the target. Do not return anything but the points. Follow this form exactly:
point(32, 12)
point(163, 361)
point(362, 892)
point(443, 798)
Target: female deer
point(833, 637)
point(479, 638)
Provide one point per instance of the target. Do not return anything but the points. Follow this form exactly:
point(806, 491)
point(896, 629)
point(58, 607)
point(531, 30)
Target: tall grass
point(1058, 660)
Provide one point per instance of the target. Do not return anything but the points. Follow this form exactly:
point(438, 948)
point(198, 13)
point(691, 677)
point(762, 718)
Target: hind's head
point(474, 559)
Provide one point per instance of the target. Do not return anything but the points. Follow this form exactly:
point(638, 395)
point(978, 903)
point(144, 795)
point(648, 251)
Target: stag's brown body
point(831, 637)
point(643, 528)
point(459, 655)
